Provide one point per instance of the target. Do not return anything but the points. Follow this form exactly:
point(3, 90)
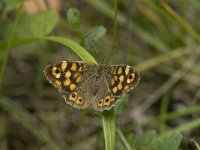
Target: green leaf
point(121, 104)
point(40, 24)
point(79, 50)
point(170, 143)
point(146, 140)
point(73, 17)
point(44, 22)
point(91, 37)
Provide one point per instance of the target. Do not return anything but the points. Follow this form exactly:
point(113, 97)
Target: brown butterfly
point(84, 84)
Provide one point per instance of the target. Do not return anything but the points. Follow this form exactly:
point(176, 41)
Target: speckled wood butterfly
point(84, 84)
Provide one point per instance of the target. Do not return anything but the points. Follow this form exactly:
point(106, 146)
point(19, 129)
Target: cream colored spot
point(119, 70)
point(119, 86)
point(79, 100)
point(112, 98)
point(68, 74)
point(56, 72)
point(73, 96)
point(121, 78)
point(130, 78)
point(126, 88)
point(127, 70)
point(58, 83)
point(67, 82)
point(100, 103)
point(63, 66)
point(114, 90)
point(116, 78)
point(74, 66)
point(72, 87)
point(78, 79)
point(113, 82)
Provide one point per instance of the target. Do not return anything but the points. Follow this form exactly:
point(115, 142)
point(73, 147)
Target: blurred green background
point(160, 38)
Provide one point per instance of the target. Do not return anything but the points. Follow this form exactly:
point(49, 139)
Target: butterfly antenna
point(95, 48)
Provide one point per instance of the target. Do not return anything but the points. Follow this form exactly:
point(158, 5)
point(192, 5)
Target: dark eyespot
point(100, 102)
point(80, 100)
point(107, 100)
point(130, 76)
point(73, 95)
point(57, 71)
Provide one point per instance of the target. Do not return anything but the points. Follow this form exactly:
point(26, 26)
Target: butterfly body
point(84, 84)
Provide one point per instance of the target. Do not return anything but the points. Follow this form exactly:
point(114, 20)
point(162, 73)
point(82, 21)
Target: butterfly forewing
point(66, 76)
point(124, 78)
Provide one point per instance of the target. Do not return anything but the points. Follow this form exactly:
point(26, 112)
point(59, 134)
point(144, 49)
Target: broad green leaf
point(170, 143)
point(44, 22)
point(121, 104)
point(39, 24)
point(145, 141)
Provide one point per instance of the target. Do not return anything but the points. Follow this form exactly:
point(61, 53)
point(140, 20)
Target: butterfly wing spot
point(119, 86)
point(73, 97)
point(68, 74)
point(74, 67)
point(58, 83)
point(112, 98)
point(114, 90)
point(127, 70)
point(131, 78)
point(79, 101)
point(116, 78)
point(72, 87)
point(106, 101)
point(56, 72)
point(67, 82)
point(125, 88)
point(119, 70)
point(78, 79)
point(100, 103)
point(63, 65)
point(113, 81)
point(121, 78)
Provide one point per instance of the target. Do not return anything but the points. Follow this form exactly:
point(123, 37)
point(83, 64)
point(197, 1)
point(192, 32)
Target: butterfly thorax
point(97, 76)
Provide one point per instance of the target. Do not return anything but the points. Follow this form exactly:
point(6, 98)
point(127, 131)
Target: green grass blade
point(108, 119)
point(9, 45)
point(79, 50)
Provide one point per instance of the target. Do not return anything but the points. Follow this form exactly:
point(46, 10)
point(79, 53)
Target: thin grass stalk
point(9, 45)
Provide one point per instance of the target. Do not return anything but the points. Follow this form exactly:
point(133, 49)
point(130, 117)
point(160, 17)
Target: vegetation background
point(159, 37)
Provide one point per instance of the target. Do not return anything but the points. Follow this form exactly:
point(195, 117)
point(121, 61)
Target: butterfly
point(85, 84)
